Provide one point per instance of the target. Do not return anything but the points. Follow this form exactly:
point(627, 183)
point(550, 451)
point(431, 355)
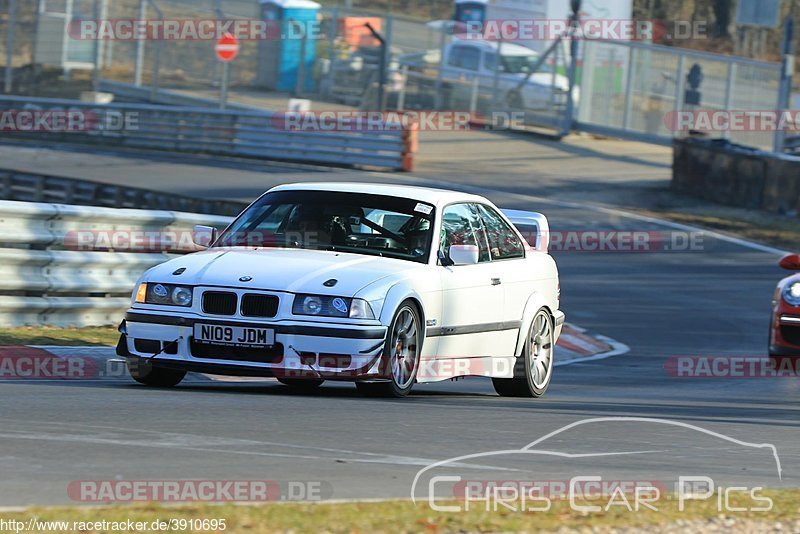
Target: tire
point(300, 384)
point(400, 355)
point(143, 372)
point(533, 369)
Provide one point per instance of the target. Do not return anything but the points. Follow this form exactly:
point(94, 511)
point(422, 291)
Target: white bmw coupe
point(382, 285)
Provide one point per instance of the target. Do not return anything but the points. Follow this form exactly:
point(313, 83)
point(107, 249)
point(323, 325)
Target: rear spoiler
point(533, 227)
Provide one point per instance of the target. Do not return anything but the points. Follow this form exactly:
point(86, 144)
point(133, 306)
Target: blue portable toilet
point(470, 11)
point(290, 22)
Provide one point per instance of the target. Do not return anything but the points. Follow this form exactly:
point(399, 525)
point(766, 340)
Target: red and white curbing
point(576, 345)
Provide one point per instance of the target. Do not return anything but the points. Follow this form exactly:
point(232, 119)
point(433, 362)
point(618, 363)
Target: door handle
point(496, 281)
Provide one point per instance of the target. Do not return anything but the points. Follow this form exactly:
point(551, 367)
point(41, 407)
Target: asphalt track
point(708, 302)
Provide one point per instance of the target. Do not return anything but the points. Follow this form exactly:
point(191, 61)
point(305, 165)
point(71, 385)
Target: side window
point(489, 61)
point(456, 56)
point(503, 241)
point(461, 225)
point(471, 59)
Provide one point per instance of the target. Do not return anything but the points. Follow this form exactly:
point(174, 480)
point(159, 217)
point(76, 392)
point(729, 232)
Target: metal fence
point(264, 135)
point(51, 275)
point(494, 81)
point(629, 89)
point(42, 34)
point(624, 88)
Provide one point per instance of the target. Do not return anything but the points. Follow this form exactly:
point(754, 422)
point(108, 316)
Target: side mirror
point(204, 236)
point(464, 254)
point(791, 262)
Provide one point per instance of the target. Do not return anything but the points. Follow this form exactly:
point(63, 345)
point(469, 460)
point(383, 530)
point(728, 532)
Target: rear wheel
point(534, 367)
point(400, 355)
point(145, 373)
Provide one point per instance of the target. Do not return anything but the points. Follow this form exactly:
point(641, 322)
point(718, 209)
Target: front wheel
point(143, 372)
point(400, 355)
point(534, 367)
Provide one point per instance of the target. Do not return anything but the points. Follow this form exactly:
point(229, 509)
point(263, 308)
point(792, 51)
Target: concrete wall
point(736, 176)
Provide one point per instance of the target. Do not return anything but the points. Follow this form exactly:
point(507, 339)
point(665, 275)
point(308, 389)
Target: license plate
point(234, 336)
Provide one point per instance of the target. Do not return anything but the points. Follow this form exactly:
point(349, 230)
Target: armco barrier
point(239, 133)
point(137, 94)
point(35, 187)
point(50, 276)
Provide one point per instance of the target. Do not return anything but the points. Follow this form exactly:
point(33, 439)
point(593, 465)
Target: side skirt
point(437, 370)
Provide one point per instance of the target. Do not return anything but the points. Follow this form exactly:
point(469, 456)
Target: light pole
point(573, 67)
point(787, 71)
point(137, 77)
point(12, 16)
point(381, 64)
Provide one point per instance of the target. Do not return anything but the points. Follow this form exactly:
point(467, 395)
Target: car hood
point(294, 271)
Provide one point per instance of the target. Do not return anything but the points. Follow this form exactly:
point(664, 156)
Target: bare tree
point(722, 17)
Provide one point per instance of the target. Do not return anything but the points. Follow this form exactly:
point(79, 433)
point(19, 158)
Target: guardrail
point(239, 133)
point(64, 265)
point(36, 187)
point(130, 93)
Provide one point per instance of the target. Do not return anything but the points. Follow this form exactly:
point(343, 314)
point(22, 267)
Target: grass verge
point(769, 229)
point(404, 516)
point(66, 337)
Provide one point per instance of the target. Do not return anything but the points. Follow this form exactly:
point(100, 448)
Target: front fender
point(394, 297)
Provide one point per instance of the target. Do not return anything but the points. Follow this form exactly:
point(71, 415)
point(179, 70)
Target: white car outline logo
point(527, 449)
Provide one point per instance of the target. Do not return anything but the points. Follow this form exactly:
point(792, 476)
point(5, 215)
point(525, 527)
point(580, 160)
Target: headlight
point(791, 294)
point(322, 306)
point(181, 296)
point(164, 295)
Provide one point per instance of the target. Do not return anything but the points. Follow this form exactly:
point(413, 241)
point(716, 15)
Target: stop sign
point(227, 48)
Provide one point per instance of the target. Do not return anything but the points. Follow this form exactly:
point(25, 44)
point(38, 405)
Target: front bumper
point(301, 350)
point(785, 334)
point(559, 318)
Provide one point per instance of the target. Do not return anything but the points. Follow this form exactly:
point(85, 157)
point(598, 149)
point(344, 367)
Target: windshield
point(523, 64)
point(347, 222)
